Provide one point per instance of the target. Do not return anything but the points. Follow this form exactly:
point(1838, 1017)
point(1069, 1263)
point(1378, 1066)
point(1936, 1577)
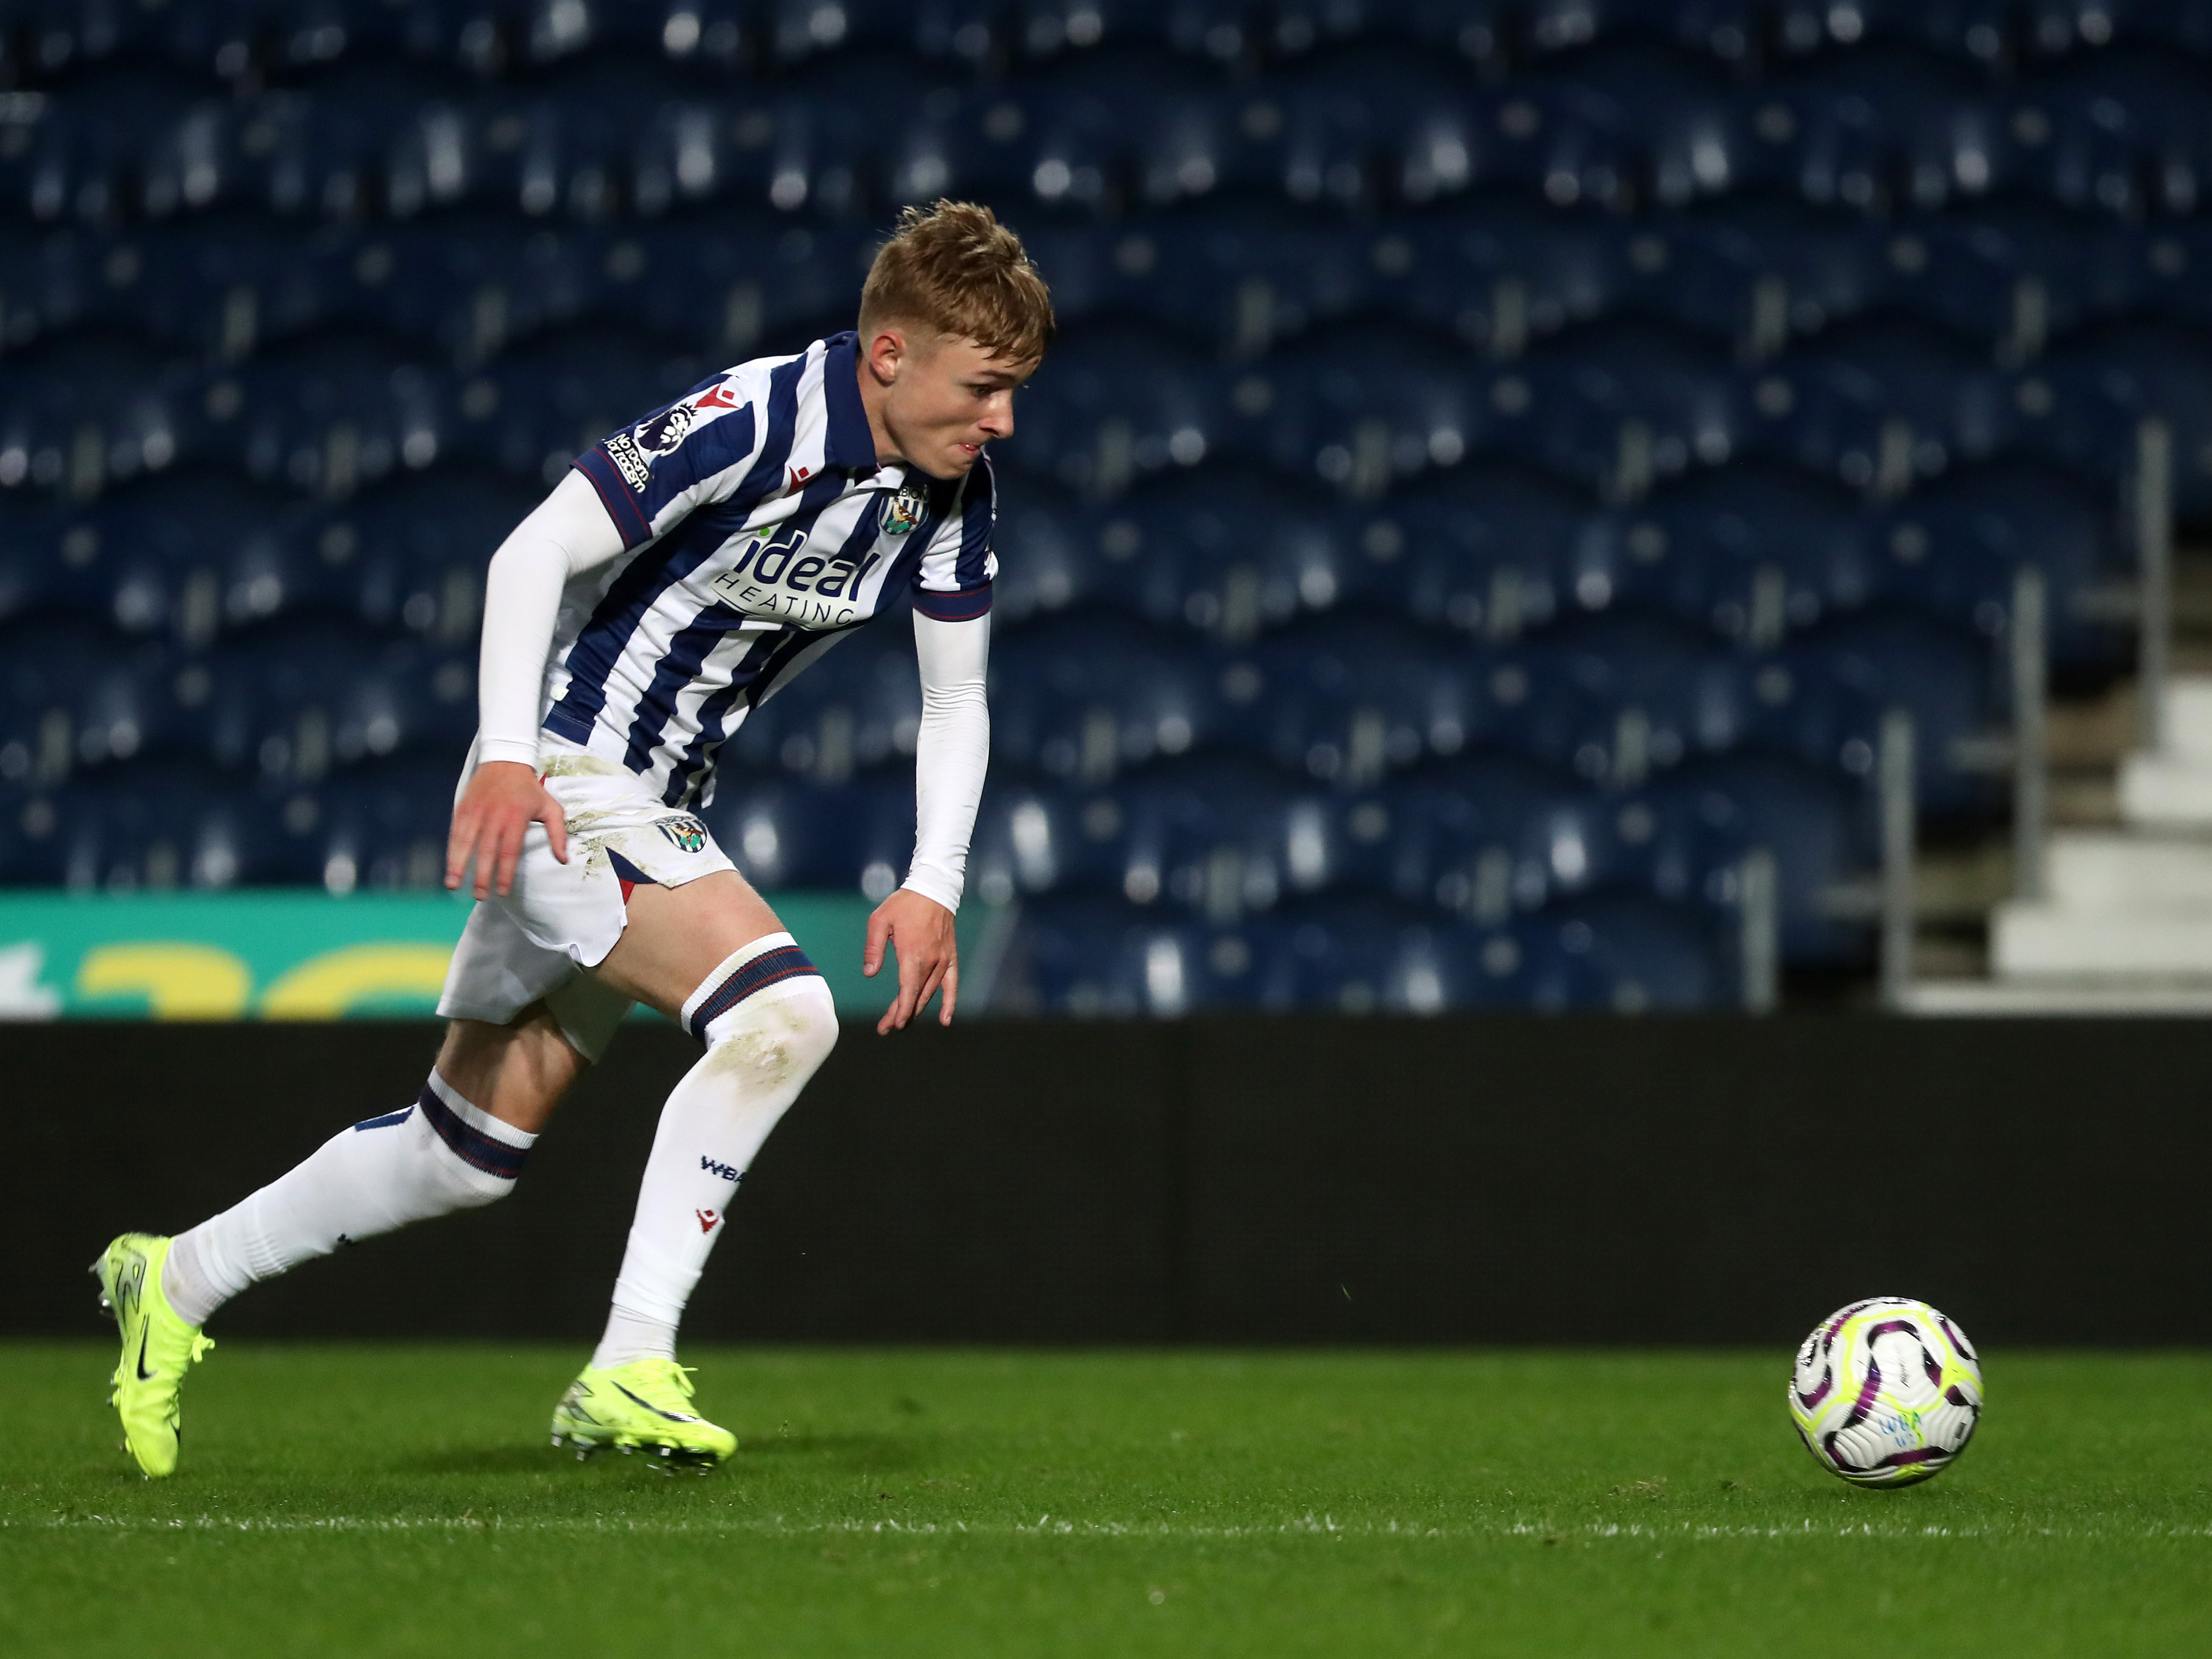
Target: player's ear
point(887, 352)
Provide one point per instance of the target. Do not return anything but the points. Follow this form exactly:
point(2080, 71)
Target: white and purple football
point(1886, 1392)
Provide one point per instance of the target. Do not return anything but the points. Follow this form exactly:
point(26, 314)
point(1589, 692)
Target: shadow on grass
point(854, 1454)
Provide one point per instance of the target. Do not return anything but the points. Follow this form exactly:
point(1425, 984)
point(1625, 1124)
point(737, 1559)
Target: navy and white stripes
point(771, 966)
point(760, 526)
point(468, 1143)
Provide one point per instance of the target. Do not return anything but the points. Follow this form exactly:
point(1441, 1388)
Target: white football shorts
point(560, 919)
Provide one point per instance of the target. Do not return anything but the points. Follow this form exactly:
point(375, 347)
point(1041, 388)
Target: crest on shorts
point(903, 511)
point(688, 833)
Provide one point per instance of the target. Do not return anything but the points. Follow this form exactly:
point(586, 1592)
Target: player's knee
point(815, 1013)
point(788, 1033)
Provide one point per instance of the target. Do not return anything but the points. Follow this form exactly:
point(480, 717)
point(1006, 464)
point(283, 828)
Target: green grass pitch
point(402, 1500)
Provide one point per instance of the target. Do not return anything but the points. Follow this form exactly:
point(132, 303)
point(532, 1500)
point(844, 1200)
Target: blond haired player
point(684, 570)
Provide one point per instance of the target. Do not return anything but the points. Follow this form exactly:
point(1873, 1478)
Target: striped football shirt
point(758, 530)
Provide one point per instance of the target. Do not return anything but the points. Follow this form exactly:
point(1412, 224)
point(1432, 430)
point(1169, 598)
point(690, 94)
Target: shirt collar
point(850, 445)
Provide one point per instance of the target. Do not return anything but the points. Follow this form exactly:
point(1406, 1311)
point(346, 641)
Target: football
point(1886, 1392)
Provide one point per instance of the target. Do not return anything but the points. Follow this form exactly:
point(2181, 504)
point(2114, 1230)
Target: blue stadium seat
point(1089, 956)
point(1058, 147)
point(2015, 280)
point(1730, 30)
point(1751, 552)
point(1614, 699)
point(1363, 410)
point(1952, 550)
point(1347, 701)
point(533, 412)
point(291, 708)
point(1685, 839)
point(1624, 126)
point(2120, 133)
point(2084, 404)
point(1823, 697)
point(75, 699)
point(1754, 276)
point(855, 836)
point(737, 288)
point(1498, 277)
point(83, 412)
point(859, 711)
point(1357, 956)
point(182, 557)
point(1875, 130)
point(1052, 553)
point(1880, 404)
point(1487, 549)
point(1112, 405)
point(150, 827)
point(1083, 698)
point(1487, 838)
point(1979, 33)
point(332, 417)
point(381, 828)
point(1227, 552)
point(1623, 955)
point(1620, 406)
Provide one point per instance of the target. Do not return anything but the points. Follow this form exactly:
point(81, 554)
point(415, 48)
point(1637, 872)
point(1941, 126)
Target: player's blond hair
point(952, 267)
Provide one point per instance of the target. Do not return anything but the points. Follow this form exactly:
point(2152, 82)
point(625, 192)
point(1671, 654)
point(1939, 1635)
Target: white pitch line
point(1048, 1525)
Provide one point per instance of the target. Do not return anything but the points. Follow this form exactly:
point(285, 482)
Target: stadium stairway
point(2123, 922)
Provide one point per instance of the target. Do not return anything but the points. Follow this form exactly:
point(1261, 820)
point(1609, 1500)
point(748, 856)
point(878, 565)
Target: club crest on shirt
point(689, 834)
point(903, 511)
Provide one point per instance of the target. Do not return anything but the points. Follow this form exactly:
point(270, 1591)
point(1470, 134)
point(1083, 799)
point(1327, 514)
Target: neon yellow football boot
point(158, 1348)
point(643, 1405)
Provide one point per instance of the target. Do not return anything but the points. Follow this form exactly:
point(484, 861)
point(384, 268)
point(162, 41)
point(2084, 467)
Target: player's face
point(946, 399)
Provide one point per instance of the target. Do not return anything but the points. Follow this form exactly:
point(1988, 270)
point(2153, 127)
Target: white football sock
point(768, 1022)
point(440, 1155)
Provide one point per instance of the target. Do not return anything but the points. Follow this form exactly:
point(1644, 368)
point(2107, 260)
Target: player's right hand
point(503, 799)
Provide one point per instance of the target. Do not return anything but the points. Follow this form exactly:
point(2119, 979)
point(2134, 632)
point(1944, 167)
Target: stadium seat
point(1498, 277)
point(1085, 698)
point(1880, 404)
point(1751, 276)
point(1954, 550)
point(1687, 838)
point(1347, 701)
point(859, 710)
point(1623, 955)
point(2121, 133)
point(1624, 126)
point(1619, 405)
point(849, 838)
point(1614, 699)
point(1729, 29)
point(1362, 409)
point(84, 411)
point(1751, 552)
point(1113, 404)
point(2085, 406)
point(1487, 549)
point(1228, 552)
point(1823, 697)
point(1873, 130)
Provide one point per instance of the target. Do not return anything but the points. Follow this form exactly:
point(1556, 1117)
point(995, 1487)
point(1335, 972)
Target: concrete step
point(1988, 998)
point(2189, 719)
point(2160, 792)
point(2048, 941)
point(2107, 873)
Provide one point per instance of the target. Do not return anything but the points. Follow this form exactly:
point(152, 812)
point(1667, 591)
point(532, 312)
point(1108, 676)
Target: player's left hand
point(921, 930)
